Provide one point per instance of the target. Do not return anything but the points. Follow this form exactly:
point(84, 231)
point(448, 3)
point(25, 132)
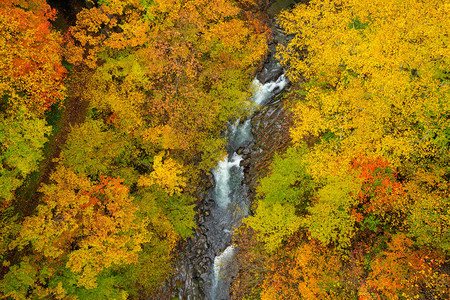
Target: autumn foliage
point(361, 212)
point(30, 56)
point(151, 85)
point(371, 95)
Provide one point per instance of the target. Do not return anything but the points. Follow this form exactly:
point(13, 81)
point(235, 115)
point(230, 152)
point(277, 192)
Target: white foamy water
point(222, 178)
point(234, 128)
point(263, 92)
point(239, 134)
point(228, 191)
point(220, 264)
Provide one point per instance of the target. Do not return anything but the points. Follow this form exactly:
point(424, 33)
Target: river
point(230, 202)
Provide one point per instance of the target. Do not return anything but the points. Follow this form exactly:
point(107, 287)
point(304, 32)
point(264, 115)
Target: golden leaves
point(371, 78)
point(167, 174)
point(99, 220)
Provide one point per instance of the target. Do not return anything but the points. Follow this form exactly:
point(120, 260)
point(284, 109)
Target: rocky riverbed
point(270, 129)
point(270, 132)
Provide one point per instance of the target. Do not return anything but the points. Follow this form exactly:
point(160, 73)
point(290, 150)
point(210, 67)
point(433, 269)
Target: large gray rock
point(271, 71)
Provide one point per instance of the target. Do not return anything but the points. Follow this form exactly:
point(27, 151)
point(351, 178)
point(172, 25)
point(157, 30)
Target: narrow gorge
point(224, 149)
point(207, 265)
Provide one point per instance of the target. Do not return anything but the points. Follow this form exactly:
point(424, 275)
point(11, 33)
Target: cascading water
point(220, 270)
point(263, 92)
point(222, 176)
point(230, 196)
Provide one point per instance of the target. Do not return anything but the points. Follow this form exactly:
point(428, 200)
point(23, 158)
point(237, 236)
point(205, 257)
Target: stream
point(230, 202)
point(206, 263)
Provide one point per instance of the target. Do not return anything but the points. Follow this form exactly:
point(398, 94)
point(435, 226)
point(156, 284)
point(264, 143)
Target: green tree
point(274, 223)
point(22, 138)
point(330, 220)
point(91, 148)
point(288, 181)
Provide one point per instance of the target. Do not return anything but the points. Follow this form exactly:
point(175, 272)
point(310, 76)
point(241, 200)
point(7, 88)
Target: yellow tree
point(167, 174)
point(377, 75)
point(90, 226)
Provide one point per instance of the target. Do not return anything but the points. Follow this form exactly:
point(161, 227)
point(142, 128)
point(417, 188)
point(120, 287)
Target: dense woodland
point(358, 207)
point(143, 90)
point(109, 125)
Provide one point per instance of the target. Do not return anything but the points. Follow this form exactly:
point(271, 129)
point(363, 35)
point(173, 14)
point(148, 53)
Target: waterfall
point(230, 196)
point(222, 176)
point(220, 270)
point(263, 92)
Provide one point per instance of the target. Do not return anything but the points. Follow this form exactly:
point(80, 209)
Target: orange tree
point(30, 56)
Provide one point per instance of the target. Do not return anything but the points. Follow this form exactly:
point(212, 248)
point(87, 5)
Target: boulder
point(270, 72)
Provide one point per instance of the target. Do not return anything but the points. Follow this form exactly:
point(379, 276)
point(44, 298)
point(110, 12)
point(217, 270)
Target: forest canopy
point(358, 206)
point(111, 120)
point(108, 126)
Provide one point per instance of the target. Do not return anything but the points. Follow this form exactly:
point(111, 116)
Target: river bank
point(199, 256)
